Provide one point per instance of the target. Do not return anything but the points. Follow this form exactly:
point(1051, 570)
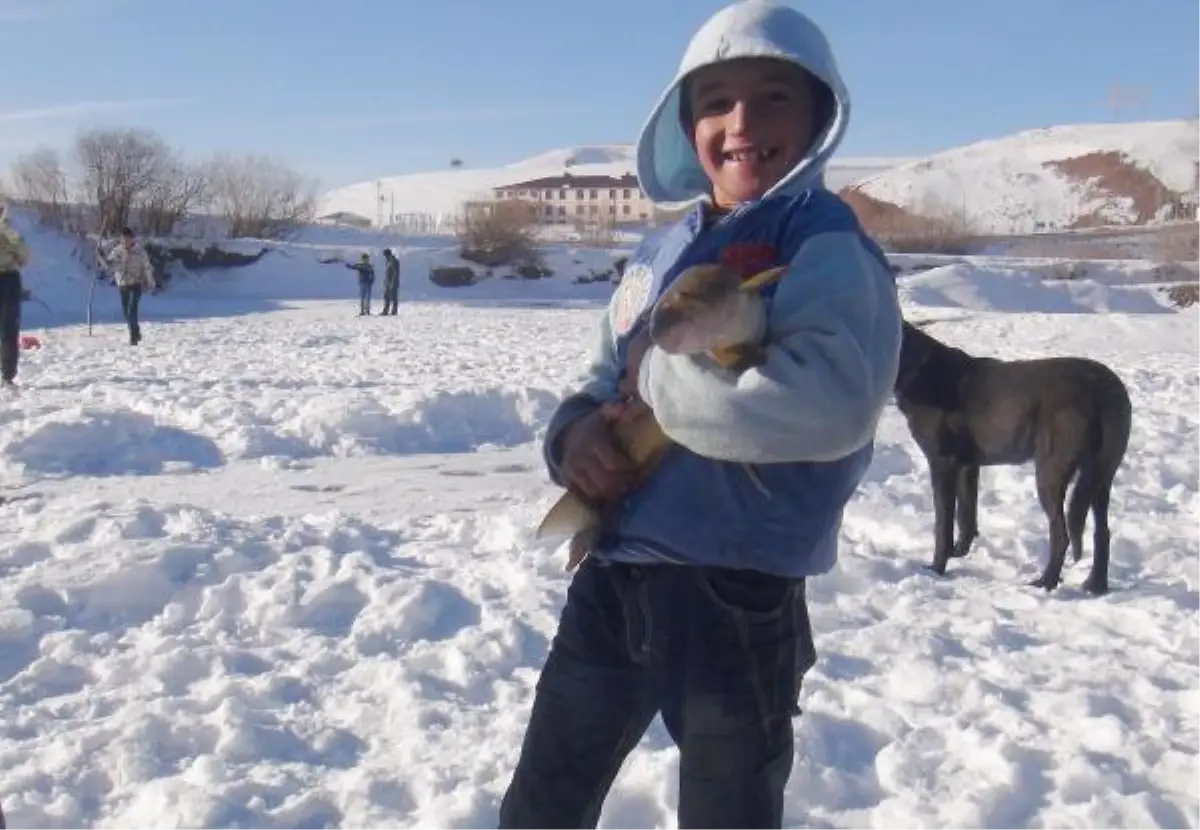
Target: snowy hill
point(275, 568)
point(1058, 177)
point(442, 192)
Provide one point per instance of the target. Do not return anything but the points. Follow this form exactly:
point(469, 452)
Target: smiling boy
point(694, 605)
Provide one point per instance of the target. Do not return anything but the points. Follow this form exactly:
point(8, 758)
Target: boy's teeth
point(748, 155)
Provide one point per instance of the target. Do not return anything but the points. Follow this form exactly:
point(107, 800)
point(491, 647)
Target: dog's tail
point(1108, 441)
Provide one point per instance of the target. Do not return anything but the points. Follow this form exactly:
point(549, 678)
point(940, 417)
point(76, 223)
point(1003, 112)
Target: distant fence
point(424, 224)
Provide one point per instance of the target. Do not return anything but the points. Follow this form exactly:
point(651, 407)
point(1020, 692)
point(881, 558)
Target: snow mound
point(995, 288)
point(91, 442)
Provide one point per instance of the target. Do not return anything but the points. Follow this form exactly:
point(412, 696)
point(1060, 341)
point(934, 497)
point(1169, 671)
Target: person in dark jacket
point(366, 279)
point(14, 255)
point(391, 282)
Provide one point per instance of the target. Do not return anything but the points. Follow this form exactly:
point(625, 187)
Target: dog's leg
point(967, 508)
point(944, 474)
point(1052, 474)
point(1082, 496)
point(1097, 581)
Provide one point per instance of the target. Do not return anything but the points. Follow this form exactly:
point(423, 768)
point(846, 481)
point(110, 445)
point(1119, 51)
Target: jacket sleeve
point(599, 385)
point(832, 344)
point(14, 246)
point(147, 267)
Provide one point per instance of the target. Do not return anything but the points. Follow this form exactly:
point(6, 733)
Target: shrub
point(260, 197)
point(452, 276)
point(498, 233)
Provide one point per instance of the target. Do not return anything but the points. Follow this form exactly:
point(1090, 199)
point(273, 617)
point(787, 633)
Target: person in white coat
point(134, 274)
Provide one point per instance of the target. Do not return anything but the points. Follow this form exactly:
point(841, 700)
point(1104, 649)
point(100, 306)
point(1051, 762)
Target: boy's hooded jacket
point(766, 459)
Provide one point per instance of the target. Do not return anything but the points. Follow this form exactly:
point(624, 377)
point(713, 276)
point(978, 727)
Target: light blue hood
point(667, 166)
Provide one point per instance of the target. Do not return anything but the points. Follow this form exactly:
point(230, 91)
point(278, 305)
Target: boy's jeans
point(131, 296)
point(720, 653)
point(364, 297)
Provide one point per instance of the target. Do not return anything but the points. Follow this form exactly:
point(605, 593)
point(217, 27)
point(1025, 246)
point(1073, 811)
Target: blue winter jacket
point(766, 459)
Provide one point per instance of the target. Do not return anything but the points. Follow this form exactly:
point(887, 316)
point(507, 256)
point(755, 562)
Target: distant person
point(366, 279)
point(133, 273)
point(391, 283)
point(14, 255)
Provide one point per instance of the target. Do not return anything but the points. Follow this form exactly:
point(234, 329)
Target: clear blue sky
point(353, 89)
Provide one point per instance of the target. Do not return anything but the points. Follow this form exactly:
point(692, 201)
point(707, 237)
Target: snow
point(1003, 186)
point(442, 193)
point(275, 567)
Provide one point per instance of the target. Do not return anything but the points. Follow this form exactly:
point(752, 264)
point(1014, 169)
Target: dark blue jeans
point(364, 296)
point(719, 653)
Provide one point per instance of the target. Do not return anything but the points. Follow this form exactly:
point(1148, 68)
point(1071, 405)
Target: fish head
point(703, 309)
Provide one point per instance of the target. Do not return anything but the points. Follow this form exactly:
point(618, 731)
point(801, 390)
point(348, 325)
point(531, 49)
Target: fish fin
point(581, 545)
point(567, 517)
point(764, 278)
point(740, 357)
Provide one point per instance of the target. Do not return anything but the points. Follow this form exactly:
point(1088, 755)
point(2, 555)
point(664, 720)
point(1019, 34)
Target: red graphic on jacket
point(750, 258)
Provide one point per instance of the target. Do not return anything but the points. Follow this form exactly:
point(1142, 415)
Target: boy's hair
point(127, 231)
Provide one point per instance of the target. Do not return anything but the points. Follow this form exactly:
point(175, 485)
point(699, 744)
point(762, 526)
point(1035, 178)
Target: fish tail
point(567, 517)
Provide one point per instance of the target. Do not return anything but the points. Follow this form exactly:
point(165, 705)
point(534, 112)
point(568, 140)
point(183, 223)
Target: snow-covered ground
point(275, 567)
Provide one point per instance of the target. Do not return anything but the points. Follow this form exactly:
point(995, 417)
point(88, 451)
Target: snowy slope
point(295, 270)
point(443, 192)
point(277, 569)
point(1010, 184)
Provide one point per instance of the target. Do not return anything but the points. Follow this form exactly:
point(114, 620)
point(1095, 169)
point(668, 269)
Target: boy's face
point(753, 119)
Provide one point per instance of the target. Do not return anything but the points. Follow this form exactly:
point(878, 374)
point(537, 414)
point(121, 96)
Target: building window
point(612, 194)
point(549, 194)
point(627, 210)
point(594, 210)
point(562, 212)
point(625, 193)
point(579, 210)
point(578, 194)
point(592, 194)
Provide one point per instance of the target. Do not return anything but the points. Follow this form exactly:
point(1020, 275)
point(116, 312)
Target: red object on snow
point(28, 341)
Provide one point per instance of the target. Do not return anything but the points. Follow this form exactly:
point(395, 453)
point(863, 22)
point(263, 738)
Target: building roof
point(567, 180)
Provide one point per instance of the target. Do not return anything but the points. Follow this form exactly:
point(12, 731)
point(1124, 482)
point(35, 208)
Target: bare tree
point(177, 189)
point(39, 179)
point(119, 168)
point(259, 196)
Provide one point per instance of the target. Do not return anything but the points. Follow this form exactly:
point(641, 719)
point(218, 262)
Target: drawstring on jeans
point(758, 482)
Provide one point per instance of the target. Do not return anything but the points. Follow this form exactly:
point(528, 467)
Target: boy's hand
point(591, 461)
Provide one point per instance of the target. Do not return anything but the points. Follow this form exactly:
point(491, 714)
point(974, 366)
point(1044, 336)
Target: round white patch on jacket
point(632, 294)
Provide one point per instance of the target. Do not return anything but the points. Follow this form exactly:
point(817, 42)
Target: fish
point(708, 309)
